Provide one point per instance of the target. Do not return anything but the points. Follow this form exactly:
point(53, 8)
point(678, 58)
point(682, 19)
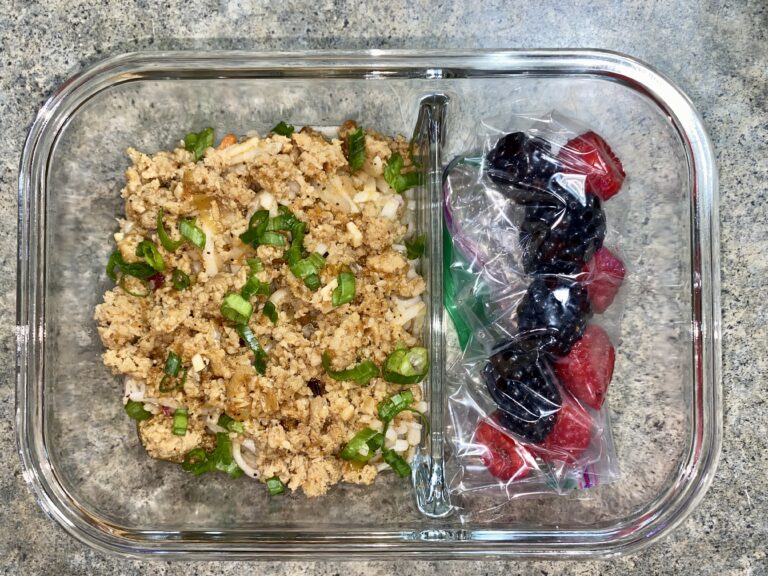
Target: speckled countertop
point(717, 51)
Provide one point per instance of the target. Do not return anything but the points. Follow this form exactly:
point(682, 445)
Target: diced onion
point(354, 232)
point(198, 363)
point(401, 446)
point(278, 296)
point(389, 210)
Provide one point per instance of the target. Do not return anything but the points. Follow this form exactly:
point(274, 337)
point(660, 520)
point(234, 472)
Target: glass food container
point(81, 455)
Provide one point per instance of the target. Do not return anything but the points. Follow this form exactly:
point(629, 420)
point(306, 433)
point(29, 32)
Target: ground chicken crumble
point(296, 418)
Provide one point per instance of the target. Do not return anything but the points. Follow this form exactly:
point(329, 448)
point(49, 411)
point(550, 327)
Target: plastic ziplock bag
point(532, 278)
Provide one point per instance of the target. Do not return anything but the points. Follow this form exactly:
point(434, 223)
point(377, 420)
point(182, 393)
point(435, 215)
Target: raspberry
point(591, 156)
point(603, 276)
point(587, 371)
point(570, 436)
point(504, 457)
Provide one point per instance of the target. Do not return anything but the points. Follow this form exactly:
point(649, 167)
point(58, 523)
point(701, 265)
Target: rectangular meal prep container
point(80, 453)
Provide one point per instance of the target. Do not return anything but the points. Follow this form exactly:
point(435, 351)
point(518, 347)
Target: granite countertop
point(716, 50)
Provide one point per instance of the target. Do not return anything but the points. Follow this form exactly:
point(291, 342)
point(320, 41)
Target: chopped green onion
point(175, 383)
point(363, 445)
point(255, 264)
point(399, 182)
point(283, 129)
point(147, 250)
point(275, 486)
point(172, 364)
point(196, 461)
point(236, 308)
point(197, 142)
point(356, 149)
point(222, 456)
point(312, 282)
point(165, 239)
point(345, 291)
point(270, 311)
point(285, 221)
point(260, 361)
point(360, 374)
point(271, 238)
point(180, 422)
point(257, 225)
point(317, 261)
point(231, 424)
point(303, 268)
point(415, 248)
point(395, 404)
point(143, 282)
point(405, 366)
point(136, 411)
point(191, 232)
point(180, 279)
point(398, 464)
point(253, 287)
point(293, 254)
point(116, 264)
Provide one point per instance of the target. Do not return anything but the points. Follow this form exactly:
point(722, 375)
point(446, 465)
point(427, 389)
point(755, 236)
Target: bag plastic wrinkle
point(532, 278)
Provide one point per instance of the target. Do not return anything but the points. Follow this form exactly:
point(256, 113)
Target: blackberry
point(554, 311)
point(526, 392)
point(523, 165)
point(559, 237)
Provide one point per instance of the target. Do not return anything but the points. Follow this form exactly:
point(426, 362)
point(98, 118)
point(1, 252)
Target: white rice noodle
point(247, 151)
point(210, 261)
point(211, 421)
point(244, 466)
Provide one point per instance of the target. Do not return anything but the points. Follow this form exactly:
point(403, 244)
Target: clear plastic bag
point(533, 272)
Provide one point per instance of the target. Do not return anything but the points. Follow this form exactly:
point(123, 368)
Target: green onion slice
point(257, 225)
point(399, 182)
point(180, 422)
point(136, 411)
point(285, 221)
point(346, 290)
point(293, 254)
point(271, 238)
point(283, 129)
point(147, 288)
point(415, 248)
point(172, 364)
point(361, 373)
point(356, 149)
point(260, 361)
point(196, 461)
point(165, 239)
point(197, 142)
point(393, 405)
point(406, 366)
point(275, 486)
point(231, 424)
point(254, 287)
point(312, 282)
point(147, 250)
point(192, 232)
point(236, 308)
point(222, 456)
point(116, 264)
point(363, 445)
point(270, 311)
point(255, 264)
point(180, 279)
point(398, 464)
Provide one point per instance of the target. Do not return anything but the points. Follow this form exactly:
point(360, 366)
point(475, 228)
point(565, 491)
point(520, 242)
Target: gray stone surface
point(717, 51)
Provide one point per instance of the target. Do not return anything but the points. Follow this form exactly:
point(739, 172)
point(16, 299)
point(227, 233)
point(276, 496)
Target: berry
point(570, 436)
point(554, 310)
point(603, 276)
point(504, 457)
point(587, 371)
point(591, 156)
point(526, 393)
point(559, 237)
point(523, 165)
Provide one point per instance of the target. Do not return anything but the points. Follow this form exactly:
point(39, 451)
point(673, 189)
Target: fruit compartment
point(664, 401)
